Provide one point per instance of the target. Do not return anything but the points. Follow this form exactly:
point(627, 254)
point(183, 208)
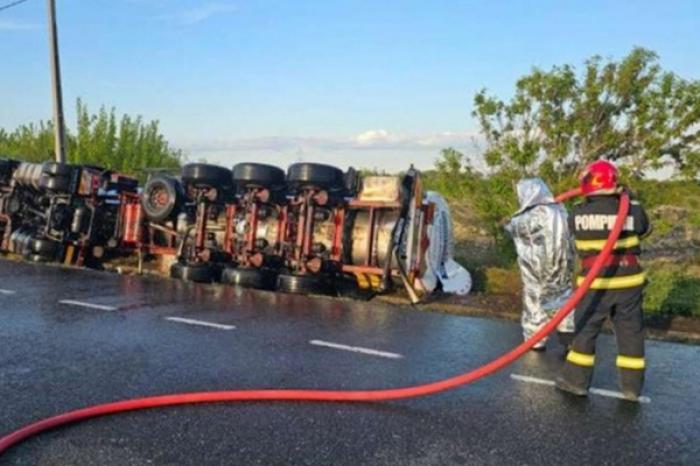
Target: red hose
point(565, 196)
point(330, 395)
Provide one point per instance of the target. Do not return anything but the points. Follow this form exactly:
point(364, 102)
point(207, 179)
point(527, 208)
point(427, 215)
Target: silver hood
point(532, 192)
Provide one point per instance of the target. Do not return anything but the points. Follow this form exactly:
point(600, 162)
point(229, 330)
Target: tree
point(30, 142)
point(491, 196)
point(629, 111)
point(129, 145)
point(451, 173)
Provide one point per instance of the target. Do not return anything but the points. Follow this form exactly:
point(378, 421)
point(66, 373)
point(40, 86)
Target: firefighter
point(545, 257)
point(617, 293)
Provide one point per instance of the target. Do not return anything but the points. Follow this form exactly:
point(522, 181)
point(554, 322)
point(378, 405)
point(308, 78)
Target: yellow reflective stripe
point(581, 359)
point(599, 244)
point(630, 362)
point(615, 283)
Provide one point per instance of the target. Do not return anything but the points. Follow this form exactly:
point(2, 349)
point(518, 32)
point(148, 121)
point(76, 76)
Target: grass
point(671, 290)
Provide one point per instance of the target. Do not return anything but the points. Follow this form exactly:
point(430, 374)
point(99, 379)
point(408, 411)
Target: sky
point(373, 84)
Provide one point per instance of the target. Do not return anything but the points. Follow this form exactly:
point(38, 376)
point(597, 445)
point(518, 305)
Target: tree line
point(126, 144)
point(629, 111)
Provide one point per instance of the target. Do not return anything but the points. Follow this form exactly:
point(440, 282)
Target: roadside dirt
point(508, 307)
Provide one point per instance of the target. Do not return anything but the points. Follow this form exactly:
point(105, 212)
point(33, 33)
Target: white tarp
point(441, 266)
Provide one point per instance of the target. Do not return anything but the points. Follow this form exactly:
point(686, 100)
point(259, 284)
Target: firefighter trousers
point(624, 307)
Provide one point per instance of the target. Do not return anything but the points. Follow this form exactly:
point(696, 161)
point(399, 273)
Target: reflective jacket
point(591, 222)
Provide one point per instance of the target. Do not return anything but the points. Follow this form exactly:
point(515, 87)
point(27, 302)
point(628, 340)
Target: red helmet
point(599, 176)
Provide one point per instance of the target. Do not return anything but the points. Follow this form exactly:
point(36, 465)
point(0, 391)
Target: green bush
point(654, 193)
point(492, 196)
point(672, 291)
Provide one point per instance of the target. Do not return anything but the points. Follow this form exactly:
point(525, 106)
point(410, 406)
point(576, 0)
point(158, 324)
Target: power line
point(10, 5)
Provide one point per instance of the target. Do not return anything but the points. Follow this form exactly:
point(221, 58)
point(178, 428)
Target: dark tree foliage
point(630, 111)
point(127, 144)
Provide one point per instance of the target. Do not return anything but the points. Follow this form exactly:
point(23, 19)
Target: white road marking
point(618, 395)
point(356, 349)
point(595, 391)
point(528, 379)
point(101, 307)
point(201, 323)
point(7, 292)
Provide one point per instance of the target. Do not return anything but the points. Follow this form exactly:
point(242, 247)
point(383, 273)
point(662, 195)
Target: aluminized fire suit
point(545, 256)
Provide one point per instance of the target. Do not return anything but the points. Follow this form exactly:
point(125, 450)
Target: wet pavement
point(71, 338)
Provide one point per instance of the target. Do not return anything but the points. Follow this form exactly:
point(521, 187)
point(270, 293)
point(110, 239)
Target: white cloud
point(10, 25)
point(376, 148)
point(370, 140)
point(373, 136)
point(200, 13)
point(380, 139)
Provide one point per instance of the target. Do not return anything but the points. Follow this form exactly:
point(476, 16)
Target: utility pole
point(58, 123)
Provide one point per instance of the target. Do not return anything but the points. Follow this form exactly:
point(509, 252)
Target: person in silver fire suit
point(545, 257)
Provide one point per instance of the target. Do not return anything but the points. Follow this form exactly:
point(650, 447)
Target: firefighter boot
point(565, 386)
point(631, 373)
point(576, 373)
point(566, 339)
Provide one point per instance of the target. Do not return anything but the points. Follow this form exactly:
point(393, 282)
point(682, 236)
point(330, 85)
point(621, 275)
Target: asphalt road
point(72, 338)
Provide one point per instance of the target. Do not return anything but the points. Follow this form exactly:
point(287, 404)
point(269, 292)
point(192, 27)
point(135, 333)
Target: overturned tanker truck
point(312, 229)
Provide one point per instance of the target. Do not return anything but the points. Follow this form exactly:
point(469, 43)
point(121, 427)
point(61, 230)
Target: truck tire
point(317, 175)
point(55, 183)
point(8, 165)
point(7, 169)
point(161, 198)
point(351, 180)
point(249, 278)
point(199, 273)
point(258, 175)
point(36, 258)
point(43, 247)
point(305, 284)
point(205, 175)
point(58, 169)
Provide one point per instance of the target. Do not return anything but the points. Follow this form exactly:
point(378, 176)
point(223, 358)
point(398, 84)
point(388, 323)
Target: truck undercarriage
point(311, 229)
